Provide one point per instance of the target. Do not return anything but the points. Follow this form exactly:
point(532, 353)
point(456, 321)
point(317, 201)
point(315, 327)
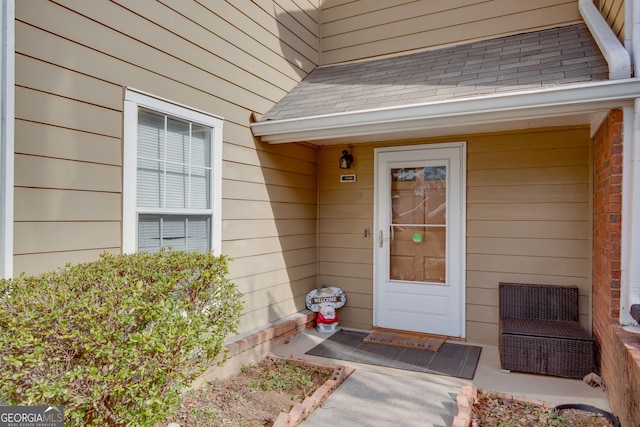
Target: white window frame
point(133, 100)
point(7, 117)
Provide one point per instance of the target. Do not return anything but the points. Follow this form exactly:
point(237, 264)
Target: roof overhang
point(556, 106)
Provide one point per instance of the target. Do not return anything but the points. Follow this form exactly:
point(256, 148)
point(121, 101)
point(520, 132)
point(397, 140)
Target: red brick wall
point(621, 373)
point(618, 351)
point(607, 208)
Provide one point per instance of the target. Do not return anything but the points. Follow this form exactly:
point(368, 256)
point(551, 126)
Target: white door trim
point(7, 118)
point(461, 235)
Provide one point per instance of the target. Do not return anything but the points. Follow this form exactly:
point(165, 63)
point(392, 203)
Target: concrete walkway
point(378, 396)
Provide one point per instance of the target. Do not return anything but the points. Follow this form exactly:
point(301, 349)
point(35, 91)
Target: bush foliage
point(115, 341)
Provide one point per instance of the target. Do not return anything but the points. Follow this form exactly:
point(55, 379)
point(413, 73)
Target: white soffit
point(558, 106)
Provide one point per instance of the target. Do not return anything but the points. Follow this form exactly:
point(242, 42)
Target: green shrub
point(115, 341)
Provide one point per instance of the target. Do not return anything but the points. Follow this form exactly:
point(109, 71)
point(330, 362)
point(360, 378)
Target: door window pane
point(418, 230)
point(418, 254)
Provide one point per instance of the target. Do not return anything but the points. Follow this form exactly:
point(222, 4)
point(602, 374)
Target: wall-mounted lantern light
point(346, 159)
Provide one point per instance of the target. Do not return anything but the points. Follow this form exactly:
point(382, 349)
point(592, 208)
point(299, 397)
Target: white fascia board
point(548, 102)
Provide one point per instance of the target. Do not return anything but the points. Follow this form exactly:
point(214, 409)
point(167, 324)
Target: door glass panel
point(418, 229)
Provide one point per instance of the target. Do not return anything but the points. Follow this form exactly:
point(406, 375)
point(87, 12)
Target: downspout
point(614, 52)
point(630, 312)
point(630, 233)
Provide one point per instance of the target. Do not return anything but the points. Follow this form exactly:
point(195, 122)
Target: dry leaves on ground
point(254, 397)
point(491, 410)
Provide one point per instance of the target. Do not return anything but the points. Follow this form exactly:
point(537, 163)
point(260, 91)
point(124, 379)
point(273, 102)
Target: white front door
point(419, 251)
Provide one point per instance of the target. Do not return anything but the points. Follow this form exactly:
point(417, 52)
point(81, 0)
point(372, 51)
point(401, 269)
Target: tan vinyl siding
point(528, 220)
point(50, 261)
point(358, 30)
point(232, 58)
point(613, 12)
point(346, 210)
point(44, 204)
point(52, 141)
point(43, 172)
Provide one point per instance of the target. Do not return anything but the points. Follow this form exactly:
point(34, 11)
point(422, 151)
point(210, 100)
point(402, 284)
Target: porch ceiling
point(526, 80)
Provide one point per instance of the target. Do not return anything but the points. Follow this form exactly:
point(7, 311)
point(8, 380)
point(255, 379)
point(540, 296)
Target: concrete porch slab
point(377, 396)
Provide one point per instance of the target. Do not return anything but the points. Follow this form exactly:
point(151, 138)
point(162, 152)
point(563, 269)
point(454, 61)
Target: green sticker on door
point(417, 237)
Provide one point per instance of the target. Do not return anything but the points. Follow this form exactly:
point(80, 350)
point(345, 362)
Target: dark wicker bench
point(540, 333)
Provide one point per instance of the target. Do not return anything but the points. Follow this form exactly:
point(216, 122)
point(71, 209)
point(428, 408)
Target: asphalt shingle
point(546, 58)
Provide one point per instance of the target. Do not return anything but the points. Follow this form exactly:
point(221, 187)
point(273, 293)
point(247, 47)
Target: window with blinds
point(175, 200)
point(174, 178)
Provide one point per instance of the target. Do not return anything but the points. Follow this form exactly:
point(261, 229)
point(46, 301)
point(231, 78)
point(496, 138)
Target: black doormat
point(455, 360)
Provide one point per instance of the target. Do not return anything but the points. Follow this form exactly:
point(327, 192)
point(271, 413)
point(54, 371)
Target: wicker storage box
point(540, 333)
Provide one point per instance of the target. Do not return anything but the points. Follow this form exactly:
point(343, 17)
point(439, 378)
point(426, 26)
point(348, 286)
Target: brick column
point(607, 208)
point(618, 351)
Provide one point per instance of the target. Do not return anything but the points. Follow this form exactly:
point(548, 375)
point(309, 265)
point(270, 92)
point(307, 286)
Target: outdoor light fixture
point(346, 159)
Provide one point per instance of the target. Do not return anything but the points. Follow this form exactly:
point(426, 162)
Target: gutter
point(614, 52)
point(574, 99)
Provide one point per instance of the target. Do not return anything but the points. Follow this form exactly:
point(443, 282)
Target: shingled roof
point(548, 58)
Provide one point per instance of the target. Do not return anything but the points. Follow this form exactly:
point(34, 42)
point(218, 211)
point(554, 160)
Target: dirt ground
point(492, 411)
point(253, 398)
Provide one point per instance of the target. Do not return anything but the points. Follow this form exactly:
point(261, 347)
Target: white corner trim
point(7, 117)
point(614, 52)
point(630, 232)
point(632, 11)
point(628, 35)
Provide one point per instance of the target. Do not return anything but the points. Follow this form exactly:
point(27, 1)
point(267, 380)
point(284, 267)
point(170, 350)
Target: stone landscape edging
point(468, 396)
point(301, 410)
